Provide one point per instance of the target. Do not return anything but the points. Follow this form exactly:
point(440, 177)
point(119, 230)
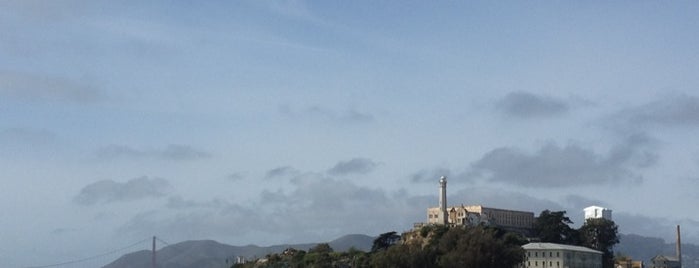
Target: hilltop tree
point(479, 247)
point(553, 227)
point(384, 241)
point(476, 247)
point(601, 234)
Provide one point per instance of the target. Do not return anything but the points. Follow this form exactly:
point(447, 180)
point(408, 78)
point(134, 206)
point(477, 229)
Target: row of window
point(543, 264)
point(543, 254)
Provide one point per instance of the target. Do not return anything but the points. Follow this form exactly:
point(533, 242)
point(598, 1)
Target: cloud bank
point(171, 152)
point(553, 166)
point(353, 166)
point(671, 111)
point(108, 191)
point(32, 87)
point(521, 104)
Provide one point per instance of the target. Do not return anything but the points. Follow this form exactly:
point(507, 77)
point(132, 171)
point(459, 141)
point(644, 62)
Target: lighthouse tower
point(443, 200)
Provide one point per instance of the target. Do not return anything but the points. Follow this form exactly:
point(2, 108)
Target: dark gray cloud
point(32, 87)
point(353, 166)
point(284, 171)
point(671, 111)
point(578, 202)
point(107, 191)
point(527, 105)
point(430, 175)
point(328, 115)
point(572, 165)
point(171, 152)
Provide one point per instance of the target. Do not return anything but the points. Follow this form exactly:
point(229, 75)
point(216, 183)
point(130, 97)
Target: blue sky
point(295, 121)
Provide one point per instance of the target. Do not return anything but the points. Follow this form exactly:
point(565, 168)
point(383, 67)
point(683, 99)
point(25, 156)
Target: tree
point(554, 227)
point(384, 241)
point(601, 234)
point(479, 247)
point(469, 247)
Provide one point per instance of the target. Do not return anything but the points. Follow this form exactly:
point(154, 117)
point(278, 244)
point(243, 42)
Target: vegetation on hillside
point(456, 246)
point(431, 246)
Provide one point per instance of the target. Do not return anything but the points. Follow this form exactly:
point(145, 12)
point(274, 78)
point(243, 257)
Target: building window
point(558, 254)
point(550, 254)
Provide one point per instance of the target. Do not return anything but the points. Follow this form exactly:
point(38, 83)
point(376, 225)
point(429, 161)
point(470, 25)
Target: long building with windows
point(550, 255)
point(475, 215)
point(513, 220)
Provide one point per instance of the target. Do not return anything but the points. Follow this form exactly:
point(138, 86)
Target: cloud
point(554, 166)
point(578, 202)
point(430, 175)
point(323, 114)
point(281, 172)
point(177, 202)
point(62, 231)
point(171, 152)
point(312, 208)
point(237, 176)
point(108, 191)
point(527, 105)
point(671, 111)
point(33, 87)
point(353, 166)
point(27, 136)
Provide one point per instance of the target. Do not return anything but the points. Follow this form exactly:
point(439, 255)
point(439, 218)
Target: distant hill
point(644, 248)
point(211, 254)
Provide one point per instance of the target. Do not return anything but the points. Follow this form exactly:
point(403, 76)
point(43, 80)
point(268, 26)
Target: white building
point(595, 212)
point(550, 255)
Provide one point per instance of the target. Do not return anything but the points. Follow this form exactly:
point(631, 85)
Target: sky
point(266, 122)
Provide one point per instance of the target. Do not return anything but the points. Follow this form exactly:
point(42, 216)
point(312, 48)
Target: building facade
point(595, 212)
point(520, 221)
point(474, 215)
point(661, 261)
point(628, 264)
point(550, 255)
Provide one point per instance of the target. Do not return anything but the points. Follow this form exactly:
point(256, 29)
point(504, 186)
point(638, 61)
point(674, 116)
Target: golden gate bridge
point(102, 259)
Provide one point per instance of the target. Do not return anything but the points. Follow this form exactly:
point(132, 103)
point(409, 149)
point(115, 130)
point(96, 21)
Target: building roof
point(668, 258)
point(553, 246)
point(596, 207)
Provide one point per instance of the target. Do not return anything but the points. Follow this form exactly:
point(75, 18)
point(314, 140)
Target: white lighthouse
point(443, 200)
